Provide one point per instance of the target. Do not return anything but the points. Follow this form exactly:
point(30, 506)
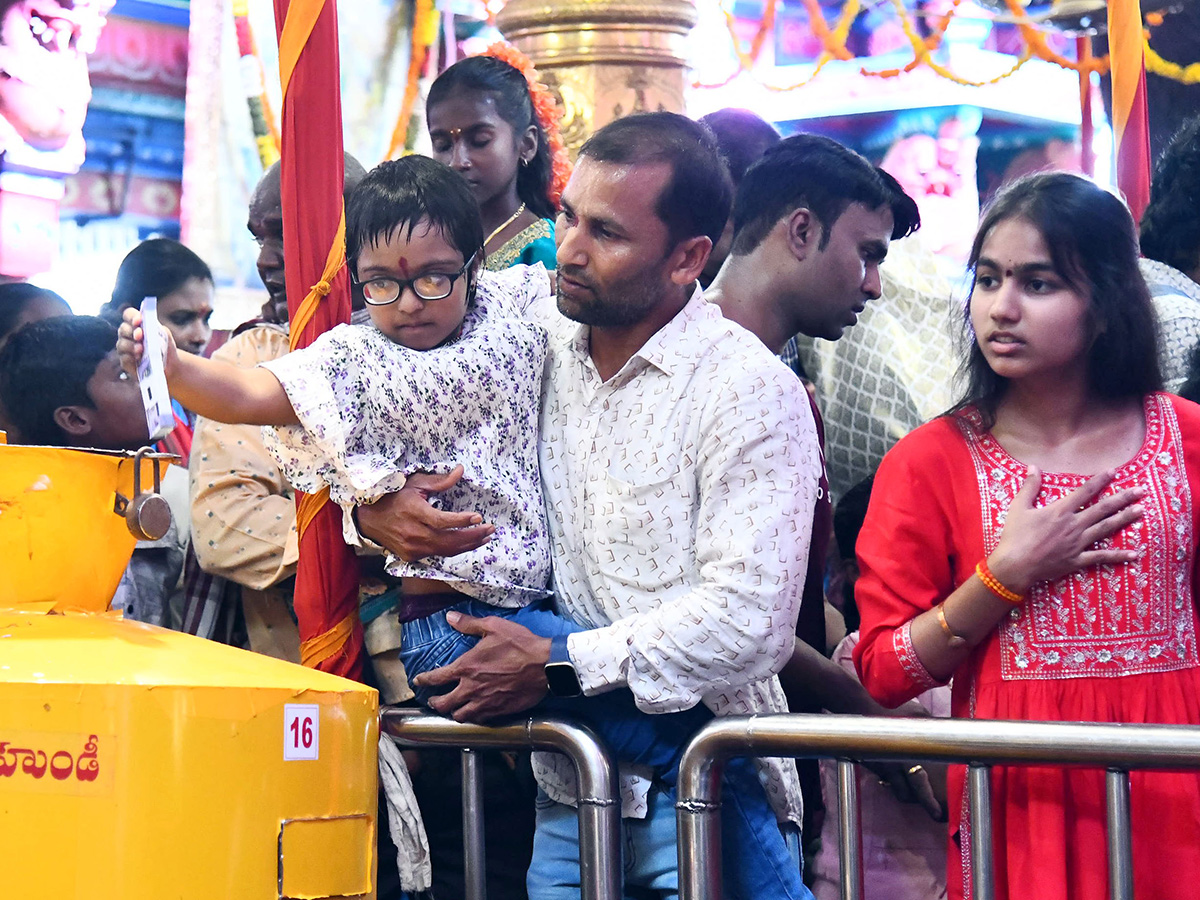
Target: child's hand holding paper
point(145, 347)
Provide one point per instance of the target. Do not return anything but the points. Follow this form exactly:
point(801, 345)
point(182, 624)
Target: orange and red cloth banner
point(1131, 124)
point(318, 299)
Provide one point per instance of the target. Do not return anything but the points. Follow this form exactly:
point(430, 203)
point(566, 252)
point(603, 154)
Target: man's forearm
point(813, 677)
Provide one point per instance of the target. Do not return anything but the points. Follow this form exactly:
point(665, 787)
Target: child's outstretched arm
point(214, 389)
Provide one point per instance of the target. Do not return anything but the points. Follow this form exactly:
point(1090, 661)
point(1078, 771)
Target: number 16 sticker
point(301, 731)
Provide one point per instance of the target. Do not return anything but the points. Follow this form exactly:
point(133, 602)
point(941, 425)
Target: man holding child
point(679, 466)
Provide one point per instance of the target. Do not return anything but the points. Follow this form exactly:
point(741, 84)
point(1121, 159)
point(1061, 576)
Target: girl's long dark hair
point(486, 74)
point(1093, 246)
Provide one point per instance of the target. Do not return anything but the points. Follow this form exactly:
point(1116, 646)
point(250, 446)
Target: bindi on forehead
point(402, 264)
point(1013, 268)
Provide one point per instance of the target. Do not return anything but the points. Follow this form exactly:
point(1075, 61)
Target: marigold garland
point(922, 53)
point(941, 26)
point(1035, 41)
point(833, 43)
point(424, 33)
point(548, 113)
point(1159, 66)
point(765, 27)
point(837, 37)
point(262, 119)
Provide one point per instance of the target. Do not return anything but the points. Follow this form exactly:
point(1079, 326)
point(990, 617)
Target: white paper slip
point(152, 378)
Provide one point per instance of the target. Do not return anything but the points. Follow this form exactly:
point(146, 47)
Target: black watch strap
point(561, 676)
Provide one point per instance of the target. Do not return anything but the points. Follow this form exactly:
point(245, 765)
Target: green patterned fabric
point(533, 245)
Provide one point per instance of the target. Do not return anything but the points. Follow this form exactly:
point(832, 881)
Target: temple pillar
point(603, 59)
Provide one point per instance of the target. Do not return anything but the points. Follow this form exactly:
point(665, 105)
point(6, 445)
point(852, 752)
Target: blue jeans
point(757, 863)
point(648, 857)
point(648, 853)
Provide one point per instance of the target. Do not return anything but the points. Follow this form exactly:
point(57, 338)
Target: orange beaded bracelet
point(992, 583)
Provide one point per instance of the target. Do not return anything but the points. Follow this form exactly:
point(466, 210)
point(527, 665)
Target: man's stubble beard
point(639, 295)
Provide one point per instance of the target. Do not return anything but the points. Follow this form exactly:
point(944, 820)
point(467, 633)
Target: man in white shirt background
point(812, 222)
point(679, 465)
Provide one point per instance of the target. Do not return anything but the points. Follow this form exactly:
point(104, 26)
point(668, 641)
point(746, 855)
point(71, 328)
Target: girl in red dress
point(1038, 543)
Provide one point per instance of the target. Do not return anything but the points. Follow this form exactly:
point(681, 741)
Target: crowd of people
point(582, 479)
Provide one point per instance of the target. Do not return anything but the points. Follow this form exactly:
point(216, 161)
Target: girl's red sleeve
point(910, 553)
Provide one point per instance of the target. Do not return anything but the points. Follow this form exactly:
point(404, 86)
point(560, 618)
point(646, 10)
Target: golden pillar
point(603, 58)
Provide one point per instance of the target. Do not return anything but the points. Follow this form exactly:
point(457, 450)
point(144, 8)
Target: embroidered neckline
point(1102, 621)
point(971, 424)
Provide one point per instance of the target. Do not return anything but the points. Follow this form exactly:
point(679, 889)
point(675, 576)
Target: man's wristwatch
point(560, 671)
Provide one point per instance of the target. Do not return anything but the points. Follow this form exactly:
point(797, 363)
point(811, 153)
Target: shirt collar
point(668, 347)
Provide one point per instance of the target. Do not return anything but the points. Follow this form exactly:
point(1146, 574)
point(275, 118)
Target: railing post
point(1120, 843)
point(697, 821)
point(849, 831)
point(599, 805)
point(979, 790)
point(474, 861)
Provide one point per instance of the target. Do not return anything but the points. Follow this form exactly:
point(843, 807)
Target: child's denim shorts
point(430, 642)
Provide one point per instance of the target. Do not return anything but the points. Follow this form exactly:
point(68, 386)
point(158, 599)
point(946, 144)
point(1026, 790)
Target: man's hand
point(406, 524)
point(504, 674)
point(914, 784)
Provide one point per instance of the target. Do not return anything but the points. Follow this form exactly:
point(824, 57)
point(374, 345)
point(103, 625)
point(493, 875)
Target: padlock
point(148, 516)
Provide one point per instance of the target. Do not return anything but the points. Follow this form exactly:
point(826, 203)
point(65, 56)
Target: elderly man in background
point(243, 511)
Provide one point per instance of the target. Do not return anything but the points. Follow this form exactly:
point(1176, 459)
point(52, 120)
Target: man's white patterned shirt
point(680, 496)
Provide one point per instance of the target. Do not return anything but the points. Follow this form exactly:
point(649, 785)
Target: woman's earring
point(524, 161)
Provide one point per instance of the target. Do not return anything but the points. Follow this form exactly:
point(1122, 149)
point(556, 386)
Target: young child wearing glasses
point(449, 374)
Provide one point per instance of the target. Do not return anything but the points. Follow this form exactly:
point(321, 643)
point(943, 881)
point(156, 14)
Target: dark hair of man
point(486, 74)
point(742, 136)
point(154, 268)
point(695, 201)
point(818, 174)
point(1093, 247)
point(14, 297)
point(48, 364)
point(401, 193)
point(1171, 223)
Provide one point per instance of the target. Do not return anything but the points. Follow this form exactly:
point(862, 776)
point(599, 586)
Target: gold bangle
point(992, 583)
point(954, 640)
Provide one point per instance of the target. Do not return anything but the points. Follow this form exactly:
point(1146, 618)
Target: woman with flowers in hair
point(493, 123)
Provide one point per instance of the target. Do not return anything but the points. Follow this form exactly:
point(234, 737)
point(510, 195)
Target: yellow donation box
point(137, 763)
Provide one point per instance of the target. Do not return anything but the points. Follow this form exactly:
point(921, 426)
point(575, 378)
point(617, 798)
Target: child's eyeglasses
point(433, 286)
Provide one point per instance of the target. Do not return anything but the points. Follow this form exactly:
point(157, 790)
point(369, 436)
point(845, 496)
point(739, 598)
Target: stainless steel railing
point(979, 744)
point(599, 800)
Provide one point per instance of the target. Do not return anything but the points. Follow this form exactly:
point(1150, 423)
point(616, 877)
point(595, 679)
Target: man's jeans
point(648, 855)
point(756, 860)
